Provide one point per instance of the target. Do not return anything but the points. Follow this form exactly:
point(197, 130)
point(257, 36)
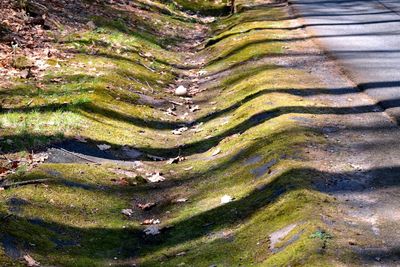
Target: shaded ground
point(277, 130)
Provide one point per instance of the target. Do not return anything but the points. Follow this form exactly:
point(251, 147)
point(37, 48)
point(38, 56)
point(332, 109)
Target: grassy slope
point(77, 221)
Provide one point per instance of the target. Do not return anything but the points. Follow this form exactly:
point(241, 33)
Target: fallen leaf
point(150, 222)
point(184, 116)
point(103, 147)
point(226, 199)
point(146, 206)
point(181, 200)
point(176, 160)
point(202, 72)
point(155, 178)
point(14, 164)
point(147, 54)
point(3, 170)
point(40, 157)
point(127, 212)
point(216, 152)
point(170, 112)
point(56, 80)
point(194, 108)
point(80, 139)
point(180, 130)
point(196, 128)
point(30, 261)
point(152, 230)
point(26, 74)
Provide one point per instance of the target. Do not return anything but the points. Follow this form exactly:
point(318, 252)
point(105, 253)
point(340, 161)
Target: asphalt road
point(364, 37)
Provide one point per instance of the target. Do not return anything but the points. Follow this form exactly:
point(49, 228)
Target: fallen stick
point(151, 88)
point(176, 103)
point(22, 183)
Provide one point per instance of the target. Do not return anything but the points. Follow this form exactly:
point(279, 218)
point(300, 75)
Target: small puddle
point(253, 160)
point(70, 151)
point(77, 152)
point(260, 171)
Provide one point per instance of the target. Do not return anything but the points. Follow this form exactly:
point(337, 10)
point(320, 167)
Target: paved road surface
point(364, 36)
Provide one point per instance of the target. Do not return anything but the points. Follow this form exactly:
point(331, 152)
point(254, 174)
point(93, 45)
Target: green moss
point(75, 219)
point(22, 62)
point(206, 7)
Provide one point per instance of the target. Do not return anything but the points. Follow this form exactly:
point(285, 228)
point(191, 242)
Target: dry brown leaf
point(146, 206)
point(150, 222)
point(30, 261)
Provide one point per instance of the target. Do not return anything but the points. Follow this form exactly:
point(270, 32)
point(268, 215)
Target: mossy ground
point(76, 220)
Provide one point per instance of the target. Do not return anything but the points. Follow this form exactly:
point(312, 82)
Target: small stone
point(181, 91)
point(91, 25)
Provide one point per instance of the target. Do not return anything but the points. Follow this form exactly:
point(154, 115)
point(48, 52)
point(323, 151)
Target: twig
point(29, 103)
point(151, 88)
point(176, 103)
point(16, 184)
point(144, 65)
